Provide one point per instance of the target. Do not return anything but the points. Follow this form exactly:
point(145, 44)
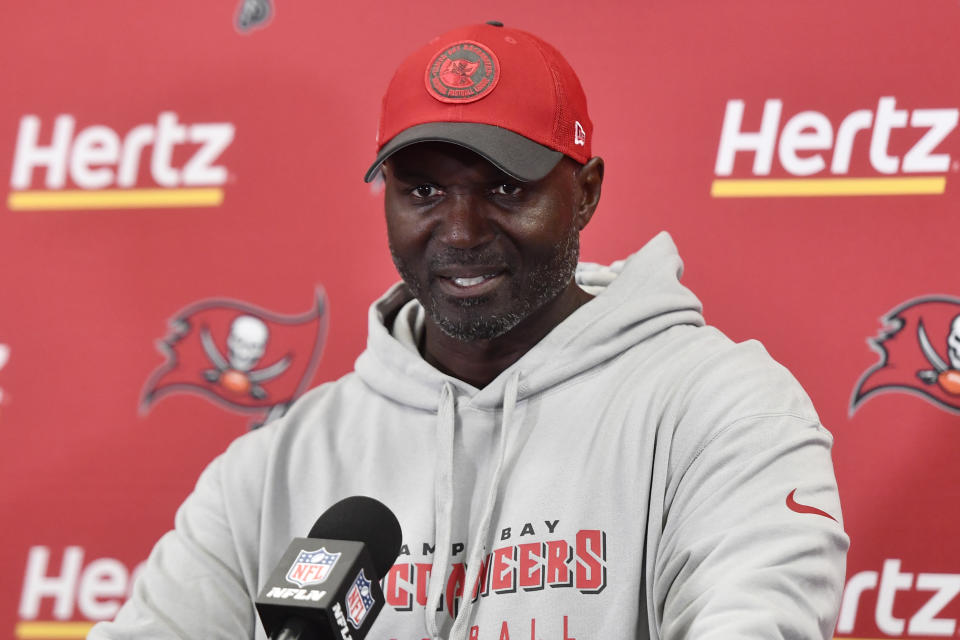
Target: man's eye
point(425, 191)
point(506, 189)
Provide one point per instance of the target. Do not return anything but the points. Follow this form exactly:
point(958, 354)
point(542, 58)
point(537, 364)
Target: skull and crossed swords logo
point(246, 344)
point(942, 374)
point(914, 359)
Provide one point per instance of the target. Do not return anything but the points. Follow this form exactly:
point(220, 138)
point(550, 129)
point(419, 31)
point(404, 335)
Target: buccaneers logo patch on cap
point(462, 72)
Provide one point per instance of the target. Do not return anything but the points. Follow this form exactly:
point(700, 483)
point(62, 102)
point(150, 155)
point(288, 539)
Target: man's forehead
point(426, 159)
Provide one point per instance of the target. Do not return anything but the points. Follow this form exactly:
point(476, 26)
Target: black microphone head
point(366, 520)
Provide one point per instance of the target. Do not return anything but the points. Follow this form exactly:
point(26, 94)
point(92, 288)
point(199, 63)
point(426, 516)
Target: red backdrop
point(168, 172)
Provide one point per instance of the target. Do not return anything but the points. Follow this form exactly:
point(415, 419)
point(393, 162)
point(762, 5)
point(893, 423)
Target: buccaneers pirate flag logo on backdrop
point(242, 357)
point(919, 353)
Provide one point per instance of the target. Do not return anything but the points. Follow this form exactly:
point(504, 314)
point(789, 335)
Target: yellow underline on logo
point(801, 187)
point(52, 630)
point(114, 199)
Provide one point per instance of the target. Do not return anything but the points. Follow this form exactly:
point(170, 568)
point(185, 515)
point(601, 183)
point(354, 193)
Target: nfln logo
point(899, 149)
point(108, 168)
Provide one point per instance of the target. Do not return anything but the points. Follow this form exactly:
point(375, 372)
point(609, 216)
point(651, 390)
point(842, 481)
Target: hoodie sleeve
point(195, 582)
point(752, 544)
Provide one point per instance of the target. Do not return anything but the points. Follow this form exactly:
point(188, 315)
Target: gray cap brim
point(515, 155)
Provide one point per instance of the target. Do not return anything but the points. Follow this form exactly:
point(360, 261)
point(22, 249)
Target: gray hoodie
point(636, 474)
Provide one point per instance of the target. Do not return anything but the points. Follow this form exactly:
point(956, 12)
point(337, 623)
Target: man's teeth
point(469, 282)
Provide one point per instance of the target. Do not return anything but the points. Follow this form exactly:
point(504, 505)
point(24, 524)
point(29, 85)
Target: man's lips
point(469, 281)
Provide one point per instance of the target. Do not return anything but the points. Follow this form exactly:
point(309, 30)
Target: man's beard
point(471, 321)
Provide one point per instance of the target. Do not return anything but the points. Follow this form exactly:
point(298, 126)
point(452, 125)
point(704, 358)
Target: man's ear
point(590, 180)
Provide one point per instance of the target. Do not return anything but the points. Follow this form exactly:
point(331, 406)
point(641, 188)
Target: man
point(566, 460)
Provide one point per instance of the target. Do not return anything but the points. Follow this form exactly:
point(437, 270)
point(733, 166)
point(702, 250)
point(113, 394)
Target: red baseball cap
point(502, 93)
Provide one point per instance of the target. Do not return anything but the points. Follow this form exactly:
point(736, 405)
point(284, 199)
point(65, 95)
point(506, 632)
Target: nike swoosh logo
point(793, 505)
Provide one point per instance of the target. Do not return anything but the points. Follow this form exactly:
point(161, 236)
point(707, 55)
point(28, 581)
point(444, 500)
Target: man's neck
point(479, 362)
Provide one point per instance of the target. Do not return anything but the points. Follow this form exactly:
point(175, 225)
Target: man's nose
point(464, 223)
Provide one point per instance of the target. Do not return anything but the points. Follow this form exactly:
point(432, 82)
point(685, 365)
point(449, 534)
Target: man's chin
point(486, 328)
point(470, 319)
point(451, 305)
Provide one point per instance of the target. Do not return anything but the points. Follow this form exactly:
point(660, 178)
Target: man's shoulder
point(702, 373)
point(705, 353)
point(727, 384)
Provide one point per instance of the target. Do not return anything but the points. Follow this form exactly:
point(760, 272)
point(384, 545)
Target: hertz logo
point(808, 145)
point(106, 167)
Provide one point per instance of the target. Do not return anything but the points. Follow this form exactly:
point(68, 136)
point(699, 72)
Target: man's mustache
point(453, 257)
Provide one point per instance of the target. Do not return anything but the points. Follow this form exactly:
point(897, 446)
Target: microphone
point(327, 585)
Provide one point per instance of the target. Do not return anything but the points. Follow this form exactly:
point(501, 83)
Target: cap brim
point(515, 155)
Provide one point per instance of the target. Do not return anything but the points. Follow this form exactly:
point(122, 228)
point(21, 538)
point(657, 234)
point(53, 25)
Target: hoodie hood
point(635, 298)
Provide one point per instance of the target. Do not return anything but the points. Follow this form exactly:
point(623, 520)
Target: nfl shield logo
point(359, 600)
point(312, 567)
